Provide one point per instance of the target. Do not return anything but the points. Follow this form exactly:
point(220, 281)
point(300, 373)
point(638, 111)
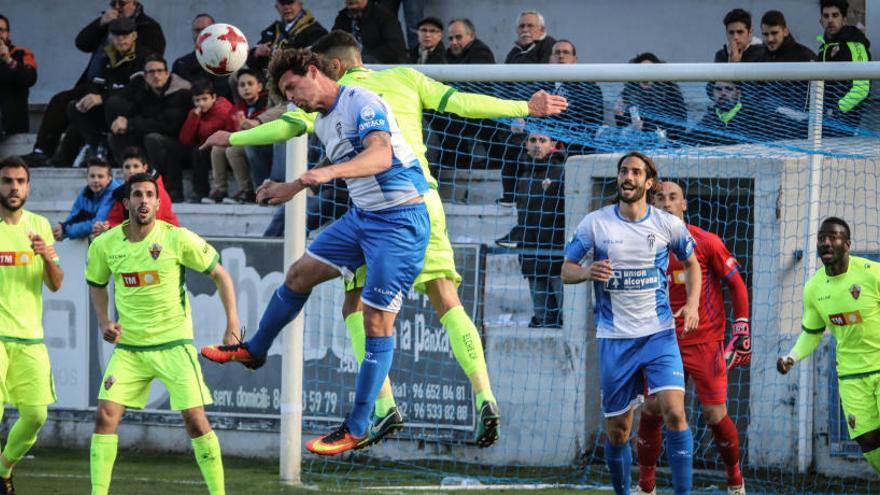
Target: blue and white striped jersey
point(356, 113)
point(635, 302)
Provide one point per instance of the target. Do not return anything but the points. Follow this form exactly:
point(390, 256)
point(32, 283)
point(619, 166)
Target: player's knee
point(196, 423)
point(675, 418)
point(105, 421)
point(443, 295)
point(351, 303)
point(34, 416)
point(713, 414)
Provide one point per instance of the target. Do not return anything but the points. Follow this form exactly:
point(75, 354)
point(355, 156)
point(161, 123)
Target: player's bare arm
point(573, 273)
point(53, 275)
point(374, 159)
point(219, 138)
point(226, 291)
point(110, 330)
point(691, 309)
point(542, 104)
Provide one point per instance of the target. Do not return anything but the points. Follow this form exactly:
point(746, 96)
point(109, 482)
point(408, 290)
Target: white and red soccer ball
point(221, 49)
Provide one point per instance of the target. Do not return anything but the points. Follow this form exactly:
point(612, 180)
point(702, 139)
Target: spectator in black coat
point(92, 40)
point(148, 113)
point(430, 49)
point(532, 45)
point(741, 46)
point(728, 120)
point(540, 229)
point(87, 124)
point(297, 28)
point(464, 46)
point(18, 72)
point(376, 29)
point(656, 107)
point(188, 66)
point(784, 101)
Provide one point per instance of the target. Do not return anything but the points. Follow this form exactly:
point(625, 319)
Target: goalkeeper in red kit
point(703, 353)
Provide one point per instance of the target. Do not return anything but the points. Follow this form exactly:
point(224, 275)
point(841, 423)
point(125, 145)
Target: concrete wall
point(605, 31)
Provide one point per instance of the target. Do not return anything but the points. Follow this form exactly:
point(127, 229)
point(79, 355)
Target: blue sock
point(282, 309)
point(619, 459)
point(374, 369)
point(680, 454)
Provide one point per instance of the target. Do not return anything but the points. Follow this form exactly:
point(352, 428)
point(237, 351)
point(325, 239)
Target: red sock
point(727, 443)
point(649, 441)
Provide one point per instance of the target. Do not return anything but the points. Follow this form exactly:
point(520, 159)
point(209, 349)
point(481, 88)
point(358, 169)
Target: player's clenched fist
point(40, 247)
point(784, 364)
point(111, 331)
point(600, 271)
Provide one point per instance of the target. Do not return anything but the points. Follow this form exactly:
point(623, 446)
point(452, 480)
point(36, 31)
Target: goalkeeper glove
point(739, 349)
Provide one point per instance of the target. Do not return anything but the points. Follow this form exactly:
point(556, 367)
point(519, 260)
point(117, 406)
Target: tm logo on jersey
point(844, 319)
point(140, 279)
point(16, 258)
point(628, 279)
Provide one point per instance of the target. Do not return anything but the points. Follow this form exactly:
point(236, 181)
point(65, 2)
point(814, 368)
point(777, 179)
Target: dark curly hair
point(296, 60)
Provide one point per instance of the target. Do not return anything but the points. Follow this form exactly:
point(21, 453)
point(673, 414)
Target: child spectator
point(134, 161)
point(211, 114)
point(252, 101)
point(93, 203)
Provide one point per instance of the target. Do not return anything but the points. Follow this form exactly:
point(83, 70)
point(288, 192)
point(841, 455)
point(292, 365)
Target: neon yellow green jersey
point(408, 92)
point(849, 305)
point(148, 276)
point(21, 278)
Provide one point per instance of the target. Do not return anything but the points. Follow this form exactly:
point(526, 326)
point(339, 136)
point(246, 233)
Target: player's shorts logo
point(855, 290)
point(679, 277)
point(844, 319)
point(16, 258)
point(109, 382)
point(140, 279)
point(851, 421)
point(155, 250)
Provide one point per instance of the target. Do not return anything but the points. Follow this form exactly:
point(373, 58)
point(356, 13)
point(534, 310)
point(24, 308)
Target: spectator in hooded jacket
point(252, 101)
point(297, 28)
point(94, 39)
point(134, 161)
point(188, 66)
point(148, 113)
point(376, 29)
point(18, 72)
point(844, 100)
point(741, 46)
point(209, 115)
point(729, 119)
point(429, 49)
point(93, 203)
point(532, 45)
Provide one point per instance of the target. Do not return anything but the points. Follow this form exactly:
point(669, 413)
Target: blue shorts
point(390, 242)
point(625, 365)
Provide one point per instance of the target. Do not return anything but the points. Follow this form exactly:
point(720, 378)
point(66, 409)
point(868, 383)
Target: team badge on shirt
point(855, 290)
point(155, 250)
point(651, 239)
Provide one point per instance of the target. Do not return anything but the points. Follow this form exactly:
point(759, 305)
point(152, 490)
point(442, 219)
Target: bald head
point(670, 198)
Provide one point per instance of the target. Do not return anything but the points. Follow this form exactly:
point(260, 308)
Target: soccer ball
point(221, 49)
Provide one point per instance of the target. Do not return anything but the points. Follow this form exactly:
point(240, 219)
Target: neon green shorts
point(439, 257)
point(859, 398)
point(130, 372)
point(27, 374)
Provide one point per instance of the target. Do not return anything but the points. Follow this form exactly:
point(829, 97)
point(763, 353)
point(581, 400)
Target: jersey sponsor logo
point(845, 319)
point(678, 277)
point(140, 279)
point(155, 250)
point(367, 113)
point(16, 258)
point(372, 124)
point(630, 279)
point(855, 290)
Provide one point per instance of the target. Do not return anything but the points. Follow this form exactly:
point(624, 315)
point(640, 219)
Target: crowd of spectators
point(129, 109)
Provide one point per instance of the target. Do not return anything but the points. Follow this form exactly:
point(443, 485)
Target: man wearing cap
point(430, 49)
point(121, 58)
point(297, 28)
